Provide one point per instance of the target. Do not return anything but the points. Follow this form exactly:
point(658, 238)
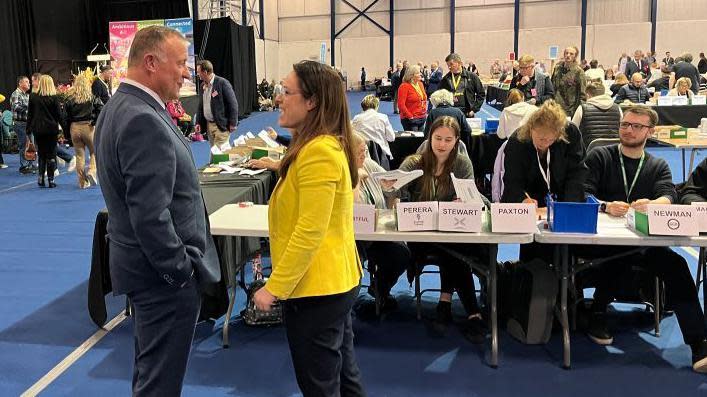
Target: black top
point(605, 178)
point(567, 170)
point(80, 111)
point(702, 66)
point(695, 189)
point(469, 94)
point(684, 69)
point(100, 89)
point(43, 115)
point(447, 110)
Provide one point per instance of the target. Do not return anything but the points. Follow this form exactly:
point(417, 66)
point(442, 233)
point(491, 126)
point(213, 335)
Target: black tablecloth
point(686, 116)
point(218, 191)
point(482, 151)
point(496, 96)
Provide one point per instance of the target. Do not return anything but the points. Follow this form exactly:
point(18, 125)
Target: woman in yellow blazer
point(316, 271)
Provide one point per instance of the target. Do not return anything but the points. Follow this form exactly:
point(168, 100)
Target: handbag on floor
point(30, 151)
point(251, 314)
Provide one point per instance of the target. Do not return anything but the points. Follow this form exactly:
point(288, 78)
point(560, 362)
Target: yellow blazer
point(311, 225)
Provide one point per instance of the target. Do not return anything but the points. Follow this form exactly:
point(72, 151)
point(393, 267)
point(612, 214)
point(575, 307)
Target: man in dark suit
point(218, 106)
point(160, 248)
point(638, 65)
point(101, 87)
point(668, 60)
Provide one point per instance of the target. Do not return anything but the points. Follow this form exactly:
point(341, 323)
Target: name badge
point(534, 92)
point(364, 218)
point(416, 217)
point(513, 218)
point(701, 210)
point(214, 94)
point(459, 217)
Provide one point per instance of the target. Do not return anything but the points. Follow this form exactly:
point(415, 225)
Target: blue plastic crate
point(491, 125)
point(573, 217)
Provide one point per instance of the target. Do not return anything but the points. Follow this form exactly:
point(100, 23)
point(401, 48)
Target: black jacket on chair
point(224, 106)
point(567, 170)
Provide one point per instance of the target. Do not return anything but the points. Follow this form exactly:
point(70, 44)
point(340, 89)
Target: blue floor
point(45, 248)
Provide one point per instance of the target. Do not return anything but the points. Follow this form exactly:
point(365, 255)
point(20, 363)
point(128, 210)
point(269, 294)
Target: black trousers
point(164, 321)
point(669, 266)
point(390, 259)
point(46, 154)
point(413, 124)
point(320, 337)
point(454, 274)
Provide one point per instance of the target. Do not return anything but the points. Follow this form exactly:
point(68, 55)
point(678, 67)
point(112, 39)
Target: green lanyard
point(635, 177)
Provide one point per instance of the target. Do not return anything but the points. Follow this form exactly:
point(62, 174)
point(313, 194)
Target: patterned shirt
point(19, 103)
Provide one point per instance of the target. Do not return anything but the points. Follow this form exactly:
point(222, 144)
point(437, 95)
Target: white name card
point(459, 217)
point(513, 218)
point(665, 101)
point(701, 209)
point(417, 217)
point(474, 123)
point(680, 100)
point(364, 218)
point(672, 220)
point(699, 100)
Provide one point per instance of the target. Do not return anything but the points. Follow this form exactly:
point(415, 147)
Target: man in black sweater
point(695, 189)
point(466, 87)
point(624, 176)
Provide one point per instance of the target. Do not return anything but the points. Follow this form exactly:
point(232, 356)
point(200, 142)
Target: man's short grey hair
point(442, 97)
point(453, 57)
point(150, 39)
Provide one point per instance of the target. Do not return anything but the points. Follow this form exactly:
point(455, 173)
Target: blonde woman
point(682, 88)
point(515, 111)
point(81, 113)
point(619, 81)
point(43, 117)
point(412, 100)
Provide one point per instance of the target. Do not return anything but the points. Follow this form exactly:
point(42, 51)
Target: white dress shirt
point(375, 127)
point(208, 88)
point(147, 90)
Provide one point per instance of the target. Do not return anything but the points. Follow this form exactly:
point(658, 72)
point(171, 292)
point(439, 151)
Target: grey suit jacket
point(158, 229)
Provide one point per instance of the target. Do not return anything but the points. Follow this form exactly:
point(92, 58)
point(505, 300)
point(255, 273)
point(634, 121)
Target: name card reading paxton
point(416, 217)
point(666, 220)
point(701, 210)
point(459, 217)
point(364, 218)
point(513, 218)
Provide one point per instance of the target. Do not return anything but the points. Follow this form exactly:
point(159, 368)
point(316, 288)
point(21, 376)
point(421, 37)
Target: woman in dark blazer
point(43, 117)
point(443, 103)
point(544, 156)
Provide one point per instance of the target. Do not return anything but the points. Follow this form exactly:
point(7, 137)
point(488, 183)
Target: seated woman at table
point(387, 260)
point(438, 162)
point(682, 88)
point(412, 100)
point(544, 156)
point(514, 113)
point(620, 81)
point(639, 180)
point(373, 125)
point(443, 105)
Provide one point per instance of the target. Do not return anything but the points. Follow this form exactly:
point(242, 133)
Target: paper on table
point(401, 178)
point(226, 169)
point(225, 147)
point(249, 135)
point(266, 138)
point(239, 141)
point(418, 134)
point(216, 150)
point(466, 190)
point(251, 172)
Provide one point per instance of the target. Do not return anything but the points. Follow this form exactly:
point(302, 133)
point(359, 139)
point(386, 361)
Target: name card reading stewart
point(513, 218)
point(673, 220)
point(415, 217)
point(460, 217)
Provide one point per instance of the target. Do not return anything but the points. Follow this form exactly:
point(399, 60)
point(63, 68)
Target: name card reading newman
point(459, 217)
point(417, 217)
point(513, 218)
point(665, 220)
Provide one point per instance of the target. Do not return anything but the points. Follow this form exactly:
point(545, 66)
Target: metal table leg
point(683, 164)
point(493, 282)
point(702, 268)
point(227, 318)
point(564, 258)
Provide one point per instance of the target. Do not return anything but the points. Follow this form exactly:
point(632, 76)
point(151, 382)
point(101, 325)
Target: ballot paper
point(266, 138)
point(225, 147)
point(227, 169)
point(251, 172)
point(401, 178)
point(216, 150)
point(249, 135)
point(466, 190)
point(240, 141)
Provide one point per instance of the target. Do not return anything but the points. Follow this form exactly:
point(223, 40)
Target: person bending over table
point(535, 85)
point(468, 91)
point(440, 159)
point(316, 272)
point(387, 260)
point(412, 100)
point(624, 176)
point(695, 189)
point(544, 156)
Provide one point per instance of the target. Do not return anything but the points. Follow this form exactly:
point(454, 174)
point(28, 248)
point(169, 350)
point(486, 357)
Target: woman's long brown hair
point(330, 115)
point(428, 162)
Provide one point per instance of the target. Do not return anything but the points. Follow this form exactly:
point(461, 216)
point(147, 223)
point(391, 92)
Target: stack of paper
point(466, 190)
point(401, 178)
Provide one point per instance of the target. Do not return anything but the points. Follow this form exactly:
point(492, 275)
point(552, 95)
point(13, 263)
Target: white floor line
point(69, 360)
point(17, 187)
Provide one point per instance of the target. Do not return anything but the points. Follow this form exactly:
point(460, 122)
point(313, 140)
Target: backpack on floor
point(530, 301)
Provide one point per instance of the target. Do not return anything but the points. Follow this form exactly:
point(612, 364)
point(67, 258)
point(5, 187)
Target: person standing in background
point(102, 85)
point(217, 113)
point(43, 117)
point(569, 82)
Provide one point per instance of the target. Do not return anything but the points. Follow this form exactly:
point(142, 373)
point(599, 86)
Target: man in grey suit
point(160, 248)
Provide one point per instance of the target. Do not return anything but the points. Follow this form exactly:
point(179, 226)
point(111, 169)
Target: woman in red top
point(412, 100)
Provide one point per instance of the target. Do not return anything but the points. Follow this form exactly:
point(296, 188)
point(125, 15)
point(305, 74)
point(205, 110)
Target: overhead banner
point(121, 38)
